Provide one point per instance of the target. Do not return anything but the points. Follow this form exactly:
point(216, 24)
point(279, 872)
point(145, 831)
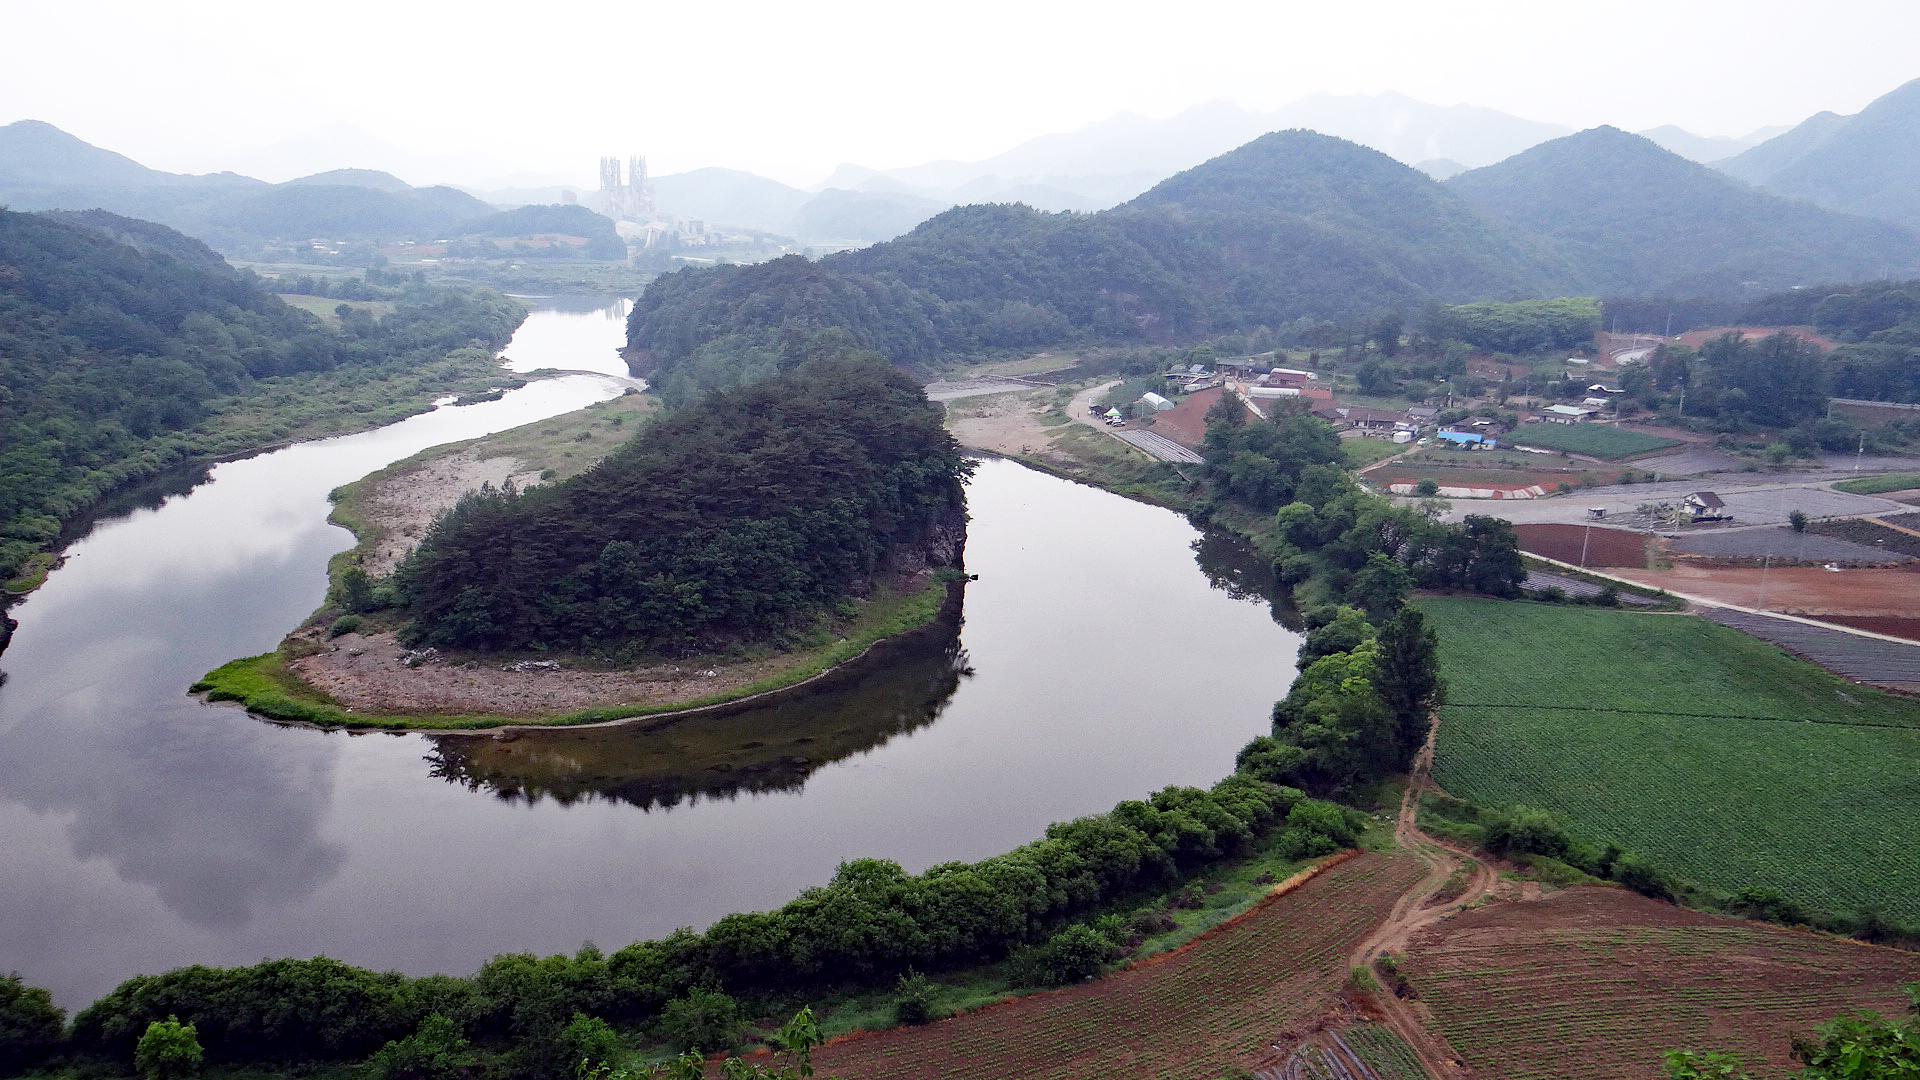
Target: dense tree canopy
point(743, 515)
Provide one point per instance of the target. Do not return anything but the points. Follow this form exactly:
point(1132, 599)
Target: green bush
point(169, 1050)
point(1073, 954)
point(702, 1020)
point(345, 624)
point(436, 1051)
point(914, 999)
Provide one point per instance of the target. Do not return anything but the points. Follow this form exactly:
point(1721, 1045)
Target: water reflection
point(774, 748)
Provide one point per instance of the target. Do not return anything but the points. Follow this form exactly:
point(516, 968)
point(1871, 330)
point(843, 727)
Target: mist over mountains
point(1596, 211)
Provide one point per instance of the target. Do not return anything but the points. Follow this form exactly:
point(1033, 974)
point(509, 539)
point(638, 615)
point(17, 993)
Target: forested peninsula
point(127, 348)
point(772, 532)
point(744, 517)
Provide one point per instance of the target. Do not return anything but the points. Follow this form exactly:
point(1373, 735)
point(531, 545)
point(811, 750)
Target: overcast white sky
point(790, 89)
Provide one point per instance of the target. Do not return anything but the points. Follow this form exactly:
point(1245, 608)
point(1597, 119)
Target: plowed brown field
point(1218, 1003)
point(1598, 983)
point(1603, 546)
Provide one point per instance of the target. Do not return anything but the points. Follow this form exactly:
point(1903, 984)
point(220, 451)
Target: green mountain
point(1263, 222)
point(1293, 225)
point(1755, 165)
point(1868, 164)
point(1645, 221)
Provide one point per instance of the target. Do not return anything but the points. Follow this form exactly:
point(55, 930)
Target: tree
point(1407, 674)
point(1386, 333)
point(1798, 519)
point(1380, 586)
point(30, 1025)
point(168, 1050)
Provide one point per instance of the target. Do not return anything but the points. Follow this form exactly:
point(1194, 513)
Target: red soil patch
point(1797, 590)
point(1597, 982)
point(1693, 339)
point(1604, 547)
point(1261, 979)
point(1879, 624)
point(1186, 423)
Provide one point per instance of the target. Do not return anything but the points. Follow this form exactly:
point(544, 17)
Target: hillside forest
point(127, 348)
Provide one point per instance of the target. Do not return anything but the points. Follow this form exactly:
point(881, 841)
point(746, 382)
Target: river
point(141, 829)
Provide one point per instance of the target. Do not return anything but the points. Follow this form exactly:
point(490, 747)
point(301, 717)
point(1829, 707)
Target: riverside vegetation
point(126, 348)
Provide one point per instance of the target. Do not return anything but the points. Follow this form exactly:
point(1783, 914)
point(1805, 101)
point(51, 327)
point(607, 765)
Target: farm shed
point(1705, 506)
point(1565, 414)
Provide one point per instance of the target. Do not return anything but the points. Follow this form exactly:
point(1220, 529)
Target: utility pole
point(1761, 603)
point(1860, 453)
point(1588, 535)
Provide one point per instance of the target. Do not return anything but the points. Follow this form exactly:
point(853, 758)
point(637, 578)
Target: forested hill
point(744, 516)
point(1293, 225)
point(1649, 222)
point(119, 339)
point(1294, 206)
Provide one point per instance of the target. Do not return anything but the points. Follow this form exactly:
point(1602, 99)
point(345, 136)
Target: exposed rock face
point(944, 544)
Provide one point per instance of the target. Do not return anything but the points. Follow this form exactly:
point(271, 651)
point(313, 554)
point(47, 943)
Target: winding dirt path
point(1417, 910)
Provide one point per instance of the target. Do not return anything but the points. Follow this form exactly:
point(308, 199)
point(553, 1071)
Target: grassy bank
point(268, 687)
point(1657, 732)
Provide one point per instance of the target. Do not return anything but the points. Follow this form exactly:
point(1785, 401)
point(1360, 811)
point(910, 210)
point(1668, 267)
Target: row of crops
point(1199, 1012)
point(1709, 754)
point(1563, 998)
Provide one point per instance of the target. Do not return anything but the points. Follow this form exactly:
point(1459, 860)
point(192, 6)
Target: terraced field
point(1218, 1004)
point(1713, 755)
point(1592, 983)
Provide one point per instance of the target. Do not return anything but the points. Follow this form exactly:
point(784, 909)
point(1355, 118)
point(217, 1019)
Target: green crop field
point(1713, 755)
point(1874, 485)
point(1594, 440)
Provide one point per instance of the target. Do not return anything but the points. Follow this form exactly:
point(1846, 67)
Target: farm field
point(1219, 1003)
point(1595, 982)
point(1599, 546)
point(1594, 440)
point(1715, 756)
point(1799, 590)
point(1878, 485)
point(1401, 472)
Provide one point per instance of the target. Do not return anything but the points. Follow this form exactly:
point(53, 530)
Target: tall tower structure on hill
point(630, 199)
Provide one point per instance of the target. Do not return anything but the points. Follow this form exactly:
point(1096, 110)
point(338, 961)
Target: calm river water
point(141, 829)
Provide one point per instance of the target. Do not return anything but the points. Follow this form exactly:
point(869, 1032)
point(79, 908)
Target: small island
point(749, 541)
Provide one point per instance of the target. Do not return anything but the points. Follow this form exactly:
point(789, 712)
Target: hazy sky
point(790, 89)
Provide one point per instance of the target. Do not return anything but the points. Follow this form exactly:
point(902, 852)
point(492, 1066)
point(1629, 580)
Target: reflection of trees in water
point(767, 749)
point(1235, 568)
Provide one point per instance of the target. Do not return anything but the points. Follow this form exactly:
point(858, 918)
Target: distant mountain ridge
point(1867, 163)
point(44, 168)
point(1646, 221)
point(1293, 225)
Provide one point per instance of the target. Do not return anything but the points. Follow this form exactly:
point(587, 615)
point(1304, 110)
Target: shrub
point(168, 1050)
point(1075, 953)
point(702, 1020)
point(345, 624)
point(437, 1051)
point(1427, 487)
point(915, 997)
